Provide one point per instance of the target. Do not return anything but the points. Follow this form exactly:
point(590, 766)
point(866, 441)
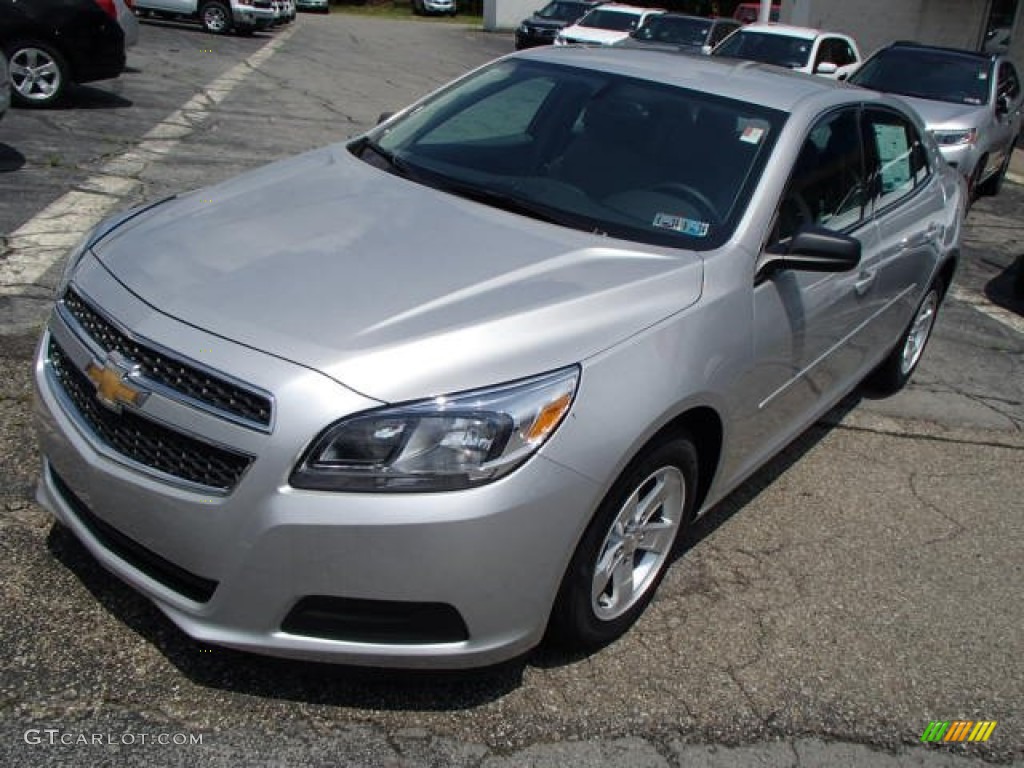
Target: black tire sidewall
point(889, 377)
point(573, 624)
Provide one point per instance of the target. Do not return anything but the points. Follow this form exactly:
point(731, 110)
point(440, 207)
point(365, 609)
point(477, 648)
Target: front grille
point(172, 576)
point(195, 384)
point(144, 441)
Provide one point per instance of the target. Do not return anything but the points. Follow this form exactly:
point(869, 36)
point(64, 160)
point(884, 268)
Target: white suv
point(605, 25)
point(216, 16)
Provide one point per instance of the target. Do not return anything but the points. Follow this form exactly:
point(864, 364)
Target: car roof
point(748, 81)
point(623, 8)
point(789, 30)
point(911, 45)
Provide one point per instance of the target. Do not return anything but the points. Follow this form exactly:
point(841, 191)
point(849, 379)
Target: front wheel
point(895, 371)
point(627, 547)
point(215, 17)
point(991, 186)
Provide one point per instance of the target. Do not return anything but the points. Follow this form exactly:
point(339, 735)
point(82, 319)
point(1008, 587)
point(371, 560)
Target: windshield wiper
point(515, 204)
point(393, 162)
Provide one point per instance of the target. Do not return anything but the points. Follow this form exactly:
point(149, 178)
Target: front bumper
point(529, 37)
point(230, 568)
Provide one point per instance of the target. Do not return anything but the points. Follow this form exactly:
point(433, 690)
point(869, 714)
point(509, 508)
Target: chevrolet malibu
point(469, 390)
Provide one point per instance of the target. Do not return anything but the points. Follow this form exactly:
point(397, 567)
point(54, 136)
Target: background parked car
point(605, 25)
point(217, 16)
point(812, 51)
point(971, 102)
point(51, 43)
point(126, 18)
point(748, 13)
point(5, 86)
point(672, 31)
point(440, 7)
point(542, 26)
point(320, 6)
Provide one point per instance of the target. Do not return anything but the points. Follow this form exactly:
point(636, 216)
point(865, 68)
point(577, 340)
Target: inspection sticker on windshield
point(752, 134)
point(679, 224)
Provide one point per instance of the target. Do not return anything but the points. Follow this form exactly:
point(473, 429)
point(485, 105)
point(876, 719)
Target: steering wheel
point(695, 197)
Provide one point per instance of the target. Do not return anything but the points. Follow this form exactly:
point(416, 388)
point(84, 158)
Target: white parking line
point(1010, 319)
point(44, 239)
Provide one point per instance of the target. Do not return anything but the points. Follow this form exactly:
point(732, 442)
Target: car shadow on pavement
point(10, 158)
point(382, 689)
point(87, 97)
point(1006, 289)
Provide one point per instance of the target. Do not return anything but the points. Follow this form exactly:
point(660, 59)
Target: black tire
point(991, 186)
point(215, 17)
point(895, 371)
point(39, 74)
point(584, 619)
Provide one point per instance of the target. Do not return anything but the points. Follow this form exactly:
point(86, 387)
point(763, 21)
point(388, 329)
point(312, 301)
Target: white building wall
point(506, 14)
point(874, 23)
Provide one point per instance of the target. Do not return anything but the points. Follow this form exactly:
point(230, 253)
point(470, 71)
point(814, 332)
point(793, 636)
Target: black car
point(541, 28)
point(672, 31)
point(50, 43)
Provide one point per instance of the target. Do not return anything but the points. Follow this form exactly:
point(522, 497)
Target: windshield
point(927, 74)
point(559, 11)
point(590, 150)
point(677, 31)
point(780, 50)
point(608, 19)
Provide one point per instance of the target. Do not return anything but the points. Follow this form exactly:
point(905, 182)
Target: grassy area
point(402, 9)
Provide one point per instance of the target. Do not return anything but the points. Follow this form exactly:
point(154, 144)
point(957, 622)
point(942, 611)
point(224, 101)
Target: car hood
point(394, 289)
point(594, 35)
point(941, 114)
point(538, 23)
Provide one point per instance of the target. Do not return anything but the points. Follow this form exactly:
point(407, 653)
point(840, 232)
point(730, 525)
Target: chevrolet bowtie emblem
point(113, 388)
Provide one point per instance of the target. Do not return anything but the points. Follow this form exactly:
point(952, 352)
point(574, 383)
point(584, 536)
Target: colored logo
point(113, 390)
point(958, 730)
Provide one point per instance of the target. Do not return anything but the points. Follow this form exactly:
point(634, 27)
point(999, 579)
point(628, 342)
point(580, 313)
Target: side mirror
point(816, 249)
point(706, 49)
point(826, 68)
point(1003, 105)
point(384, 116)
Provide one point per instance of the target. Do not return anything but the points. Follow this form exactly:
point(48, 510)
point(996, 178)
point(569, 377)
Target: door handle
point(864, 281)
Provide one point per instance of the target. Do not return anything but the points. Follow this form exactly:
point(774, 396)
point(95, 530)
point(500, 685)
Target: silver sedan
point(471, 385)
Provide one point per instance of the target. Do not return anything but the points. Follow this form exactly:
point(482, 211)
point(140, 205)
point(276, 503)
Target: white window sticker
point(681, 224)
point(752, 134)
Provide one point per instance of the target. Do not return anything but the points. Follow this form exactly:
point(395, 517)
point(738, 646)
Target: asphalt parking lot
point(864, 584)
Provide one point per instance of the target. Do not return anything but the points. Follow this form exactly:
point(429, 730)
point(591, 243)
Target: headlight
point(442, 444)
point(955, 137)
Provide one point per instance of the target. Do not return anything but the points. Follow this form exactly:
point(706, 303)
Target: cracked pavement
point(866, 582)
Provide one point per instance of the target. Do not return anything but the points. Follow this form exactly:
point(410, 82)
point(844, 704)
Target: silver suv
point(471, 384)
point(216, 16)
point(971, 102)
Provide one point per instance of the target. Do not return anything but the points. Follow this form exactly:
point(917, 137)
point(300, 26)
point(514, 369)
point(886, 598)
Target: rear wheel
point(215, 17)
point(895, 371)
point(38, 73)
point(627, 547)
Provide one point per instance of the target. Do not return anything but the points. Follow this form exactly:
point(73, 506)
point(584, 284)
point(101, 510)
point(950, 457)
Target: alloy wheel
point(35, 74)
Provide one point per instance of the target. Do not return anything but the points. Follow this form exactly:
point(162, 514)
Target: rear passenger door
point(907, 204)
